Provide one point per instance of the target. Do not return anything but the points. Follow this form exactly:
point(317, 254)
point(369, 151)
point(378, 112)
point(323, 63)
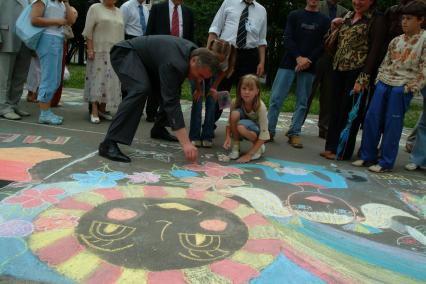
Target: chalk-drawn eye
point(121, 214)
point(201, 247)
point(107, 236)
point(215, 225)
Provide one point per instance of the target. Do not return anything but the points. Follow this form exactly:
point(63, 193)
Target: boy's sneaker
point(207, 144)
point(235, 153)
point(378, 169)
point(358, 163)
point(48, 117)
point(196, 143)
point(411, 167)
point(259, 153)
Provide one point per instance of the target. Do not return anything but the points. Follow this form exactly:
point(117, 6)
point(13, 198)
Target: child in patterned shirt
point(401, 74)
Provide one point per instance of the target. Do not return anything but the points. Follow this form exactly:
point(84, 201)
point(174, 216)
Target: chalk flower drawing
point(15, 228)
point(32, 198)
point(55, 222)
point(99, 178)
point(214, 169)
point(144, 177)
point(216, 183)
point(183, 173)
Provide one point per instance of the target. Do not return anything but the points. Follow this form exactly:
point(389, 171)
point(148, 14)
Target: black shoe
point(163, 134)
point(110, 150)
point(150, 119)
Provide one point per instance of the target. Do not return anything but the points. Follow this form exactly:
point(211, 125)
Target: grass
point(78, 75)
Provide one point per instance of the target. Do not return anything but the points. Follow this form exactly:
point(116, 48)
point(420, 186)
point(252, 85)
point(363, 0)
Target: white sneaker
point(358, 163)
point(207, 144)
point(378, 169)
point(12, 115)
point(235, 153)
point(259, 153)
point(196, 143)
point(411, 167)
point(94, 119)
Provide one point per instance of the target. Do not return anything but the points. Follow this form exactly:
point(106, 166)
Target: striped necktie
point(142, 19)
point(242, 31)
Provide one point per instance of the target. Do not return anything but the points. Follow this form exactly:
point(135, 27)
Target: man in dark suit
point(167, 18)
point(155, 65)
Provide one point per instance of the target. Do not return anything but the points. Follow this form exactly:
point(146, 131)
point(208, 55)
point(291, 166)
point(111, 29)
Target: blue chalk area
point(283, 270)
point(388, 257)
point(16, 260)
point(318, 174)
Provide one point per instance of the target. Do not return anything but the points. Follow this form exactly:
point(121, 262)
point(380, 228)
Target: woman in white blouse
point(104, 27)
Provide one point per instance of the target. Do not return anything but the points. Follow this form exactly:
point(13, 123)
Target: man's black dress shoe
point(162, 133)
point(110, 150)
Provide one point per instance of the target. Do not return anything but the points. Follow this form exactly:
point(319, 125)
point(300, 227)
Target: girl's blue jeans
point(206, 131)
point(49, 51)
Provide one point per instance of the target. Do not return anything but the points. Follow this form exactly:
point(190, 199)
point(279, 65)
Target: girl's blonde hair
point(226, 49)
point(251, 81)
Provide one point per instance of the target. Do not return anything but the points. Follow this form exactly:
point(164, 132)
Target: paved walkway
point(70, 216)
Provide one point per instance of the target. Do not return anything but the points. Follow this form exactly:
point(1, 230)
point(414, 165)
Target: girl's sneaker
point(378, 169)
point(259, 153)
point(411, 167)
point(235, 153)
point(207, 144)
point(48, 117)
point(196, 143)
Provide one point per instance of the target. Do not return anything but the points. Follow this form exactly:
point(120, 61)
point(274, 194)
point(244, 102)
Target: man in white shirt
point(135, 16)
point(243, 23)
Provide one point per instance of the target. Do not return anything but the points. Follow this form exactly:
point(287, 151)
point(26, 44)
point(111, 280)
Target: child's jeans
point(418, 155)
point(206, 132)
point(248, 123)
point(385, 117)
point(49, 51)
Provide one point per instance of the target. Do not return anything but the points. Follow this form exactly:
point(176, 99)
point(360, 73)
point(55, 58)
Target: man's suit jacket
point(159, 21)
point(166, 60)
point(10, 11)
point(340, 10)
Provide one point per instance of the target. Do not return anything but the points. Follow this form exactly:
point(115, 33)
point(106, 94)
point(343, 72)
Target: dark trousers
point(341, 104)
point(246, 63)
point(323, 82)
point(138, 86)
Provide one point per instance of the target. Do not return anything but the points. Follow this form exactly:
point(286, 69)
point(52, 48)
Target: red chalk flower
point(214, 169)
point(32, 198)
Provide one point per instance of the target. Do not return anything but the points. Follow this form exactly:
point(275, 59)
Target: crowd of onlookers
point(367, 65)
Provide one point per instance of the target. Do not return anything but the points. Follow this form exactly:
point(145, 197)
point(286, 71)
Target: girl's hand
point(197, 95)
point(244, 158)
point(337, 22)
point(90, 54)
point(62, 22)
point(227, 143)
point(213, 93)
point(358, 88)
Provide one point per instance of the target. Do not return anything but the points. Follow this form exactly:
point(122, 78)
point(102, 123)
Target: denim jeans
point(384, 119)
point(280, 88)
point(418, 155)
point(206, 132)
point(49, 51)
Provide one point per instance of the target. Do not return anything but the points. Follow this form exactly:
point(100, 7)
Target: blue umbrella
point(344, 135)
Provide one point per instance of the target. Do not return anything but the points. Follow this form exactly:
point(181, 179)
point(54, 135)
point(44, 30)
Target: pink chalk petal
point(317, 198)
point(32, 203)
point(121, 214)
point(215, 225)
point(236, 272)
point(167, 276)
